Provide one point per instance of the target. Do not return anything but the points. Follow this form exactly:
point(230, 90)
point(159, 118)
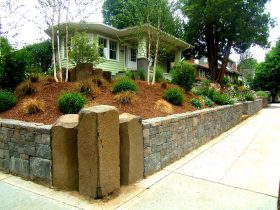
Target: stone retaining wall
point(166, 139)
point(25, 150)
point(252, 107)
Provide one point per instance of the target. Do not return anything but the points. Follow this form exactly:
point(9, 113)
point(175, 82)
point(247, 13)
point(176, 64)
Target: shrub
point(33, 106)
point(208, 102)
point(250, 96)
point(141, 74)
point(99, 81)
point(34, 78)
point(125, 97)
point(262, 94)
point(7, 100)
point(159, 74)
point(25, 89)
point(129, 74)
point(183, 75)
point(124, 84)
point(71, 103)
point(86, 87)
point(225, 82)
point(174, 95)
point(222, 99)
point(197, 103)
point(163, 106)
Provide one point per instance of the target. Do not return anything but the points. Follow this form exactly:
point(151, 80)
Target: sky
point(30, 33)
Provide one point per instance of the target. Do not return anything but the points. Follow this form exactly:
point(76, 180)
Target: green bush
point(262, 94)
point(141, 74)
point(7, 100)
point(183, 75)
point(208, 102)
point(221, 99)
point(225, 82)
point(124, 84)
point(159, 74)
point(174, 96)
point(71, 103)
point(129, 74)
point(197, 103)
point(250, 96)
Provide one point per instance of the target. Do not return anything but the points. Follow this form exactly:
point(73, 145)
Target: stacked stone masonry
point(166, 139)
point(25, 150)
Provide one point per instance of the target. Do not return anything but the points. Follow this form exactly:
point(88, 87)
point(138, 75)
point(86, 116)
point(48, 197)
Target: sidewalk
point(238, 170)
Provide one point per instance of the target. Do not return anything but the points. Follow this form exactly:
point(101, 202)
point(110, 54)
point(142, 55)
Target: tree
point(215, 27)
point(268, 72)
point(247, 66)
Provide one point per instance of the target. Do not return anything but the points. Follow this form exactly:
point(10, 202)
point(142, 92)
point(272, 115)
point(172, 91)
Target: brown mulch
point(143, 105)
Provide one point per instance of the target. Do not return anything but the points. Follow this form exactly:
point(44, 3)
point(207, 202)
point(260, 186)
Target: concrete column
point(64, 151)
point(178, 56)
point(142, 54)
point(98, 151)
point(131, 149)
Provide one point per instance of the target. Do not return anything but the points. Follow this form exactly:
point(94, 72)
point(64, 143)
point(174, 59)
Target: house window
point(102, 43)
point(133, 55)
point(113, 50)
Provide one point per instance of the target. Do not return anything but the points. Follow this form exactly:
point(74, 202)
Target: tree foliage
point(84, 50)
point(215, 27)
point(247, 66)
point(126, 13)
point(268, 72)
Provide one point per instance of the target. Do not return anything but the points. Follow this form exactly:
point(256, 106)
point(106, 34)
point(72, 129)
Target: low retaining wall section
point(166, 139)
point(26, 148)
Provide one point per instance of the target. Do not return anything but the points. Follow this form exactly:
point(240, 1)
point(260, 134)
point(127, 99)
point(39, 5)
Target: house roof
point(121, 33)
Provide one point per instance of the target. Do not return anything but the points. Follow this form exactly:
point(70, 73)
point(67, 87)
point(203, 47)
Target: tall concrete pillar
point(131, 149)
point(64, 153)
point(178, 57)
point(98, 151)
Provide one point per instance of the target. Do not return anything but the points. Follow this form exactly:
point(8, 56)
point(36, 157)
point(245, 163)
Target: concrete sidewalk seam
point(219, 183)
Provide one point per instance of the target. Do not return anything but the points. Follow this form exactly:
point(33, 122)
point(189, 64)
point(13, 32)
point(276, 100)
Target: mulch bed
point(143, 105)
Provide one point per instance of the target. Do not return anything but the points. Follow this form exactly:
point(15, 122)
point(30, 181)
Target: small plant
point(222, 99)
point(125, 97)
point(7, 100)
point(141, 74)
point(33, 106)
point(86, 87)
point(124, 84)
point(34, 78)
point(129, 74)
point(183, 75)
point(159, 74)
point(197, 103)
point(225, 82)
point(208, 102)
point(250, 96)
point(25, 89)
point(262, 94)
point(174, 96)
point(71, 103)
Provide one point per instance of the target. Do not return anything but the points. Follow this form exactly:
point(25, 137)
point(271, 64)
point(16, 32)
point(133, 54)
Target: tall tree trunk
point(156, 53)
point(59, 57)
point(54, 59)
point(149, 54)
point(211, 52)
point(226, 54)
point(66, 43)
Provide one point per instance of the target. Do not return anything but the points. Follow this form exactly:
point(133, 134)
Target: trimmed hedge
point(71, 103)
point(7, 100)
point(174, 96)
point(124, 84)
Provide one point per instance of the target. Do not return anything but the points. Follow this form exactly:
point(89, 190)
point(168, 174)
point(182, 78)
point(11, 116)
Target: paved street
point(238, 170)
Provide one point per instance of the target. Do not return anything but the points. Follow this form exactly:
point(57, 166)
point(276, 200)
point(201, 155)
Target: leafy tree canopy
point(268, 72)
point(126, 13)
point(247, 66)
point(215, 27)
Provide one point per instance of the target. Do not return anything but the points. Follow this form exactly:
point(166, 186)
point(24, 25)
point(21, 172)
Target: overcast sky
point(30, 33)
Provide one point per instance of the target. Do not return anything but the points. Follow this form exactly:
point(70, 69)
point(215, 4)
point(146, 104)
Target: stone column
point(142, 62)
point(98, 151)
point(64, 150)
point(131, 149)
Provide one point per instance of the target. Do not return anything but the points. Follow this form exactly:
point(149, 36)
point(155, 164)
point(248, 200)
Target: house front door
point(131, 58)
